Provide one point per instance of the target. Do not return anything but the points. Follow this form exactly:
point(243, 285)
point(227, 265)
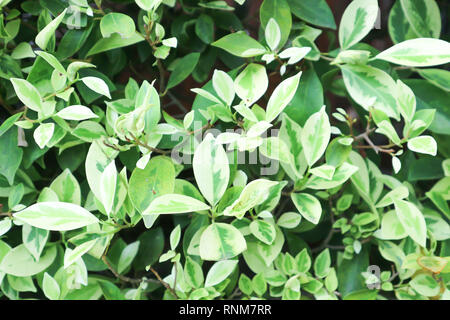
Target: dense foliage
point(310, 165)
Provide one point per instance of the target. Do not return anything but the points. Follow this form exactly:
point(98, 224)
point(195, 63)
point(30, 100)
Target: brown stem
point(165, 284)
point(125, 278)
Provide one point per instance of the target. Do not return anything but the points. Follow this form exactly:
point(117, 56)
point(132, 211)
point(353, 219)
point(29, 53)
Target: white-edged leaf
point(50, 287)
point(44, 36)
point(421, 52)
point(76, 112)
point(423, 144)
point(43, 134)
point(357, 21)
point(281, 96)
point(223, 85)
point(219, 272)
point(308, 206)
point(272, 34)
point(28, 94)
point(56, 216)
point(251, 83)
point(412, 220)
point(108, 182)
point(315, 136)
point(174, 203)
point(97, 85)
point(221, 241)
point(211, 169)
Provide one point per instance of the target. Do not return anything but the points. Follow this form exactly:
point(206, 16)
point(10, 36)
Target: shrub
point(309, 165)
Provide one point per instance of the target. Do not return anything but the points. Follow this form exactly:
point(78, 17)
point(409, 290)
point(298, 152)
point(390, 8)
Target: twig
point(125, 278)
point(165, 284)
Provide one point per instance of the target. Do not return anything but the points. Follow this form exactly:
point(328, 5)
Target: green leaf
point(358, 19)
point(56, 216)
point(303, 261)
point(423, 16)
point(50, 287)
point(221, 241)
point(211, 169)
point(20, 263)
point(315, 136)
point(113, 42)
point(423, 52)
point(322, 264)
point(438, 77)
point(263, 231)
point(127, 256)
point(399, 27)
point(281, 96)
point(279, 12)
point(289, 220)
point(67, 188)
point(219, 272)
point(28, 94)
point(183, 69)
point(11, 155)
point(240, 44)
point(44, 36)
point(156, 179)
point(316, 12)
point(34, 239)
point(174, 203)
point(251, 84)
point(308, 98)
point(204, 28)
point(406, 101)
point(423, 144)
point(412, 220)
point(193, 273)
point(117, 23)
point(425, 285)
point(371, 87)
point(308, 206)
